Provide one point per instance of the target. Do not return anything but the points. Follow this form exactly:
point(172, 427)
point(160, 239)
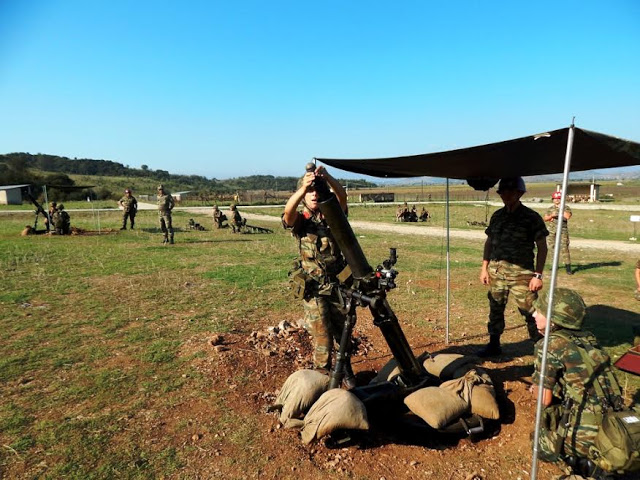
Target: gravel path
point(404, 229)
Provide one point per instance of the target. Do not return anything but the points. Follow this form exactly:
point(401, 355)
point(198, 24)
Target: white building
point(11, 194)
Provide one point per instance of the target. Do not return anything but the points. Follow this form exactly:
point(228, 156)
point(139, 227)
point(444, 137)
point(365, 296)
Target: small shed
point(11, 194)
point(582, 192)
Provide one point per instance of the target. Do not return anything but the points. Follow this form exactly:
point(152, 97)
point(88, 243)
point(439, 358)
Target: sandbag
point(483, 401)
point(436, 406)
point(443, 365)
point(298, 394)
point(463, 386)
point(388, 371)
point(335, 409)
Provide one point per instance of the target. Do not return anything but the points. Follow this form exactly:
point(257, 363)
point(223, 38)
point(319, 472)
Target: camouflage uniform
point(61, 221)
point(513, 236)
point(322, 260)
point(566, 375)
point(236, 220)
point(130, 208)
point(218, 217)
point(553, 227)
point(165, 205)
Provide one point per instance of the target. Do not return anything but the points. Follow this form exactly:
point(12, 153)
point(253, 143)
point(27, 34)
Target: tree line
point(42, 169)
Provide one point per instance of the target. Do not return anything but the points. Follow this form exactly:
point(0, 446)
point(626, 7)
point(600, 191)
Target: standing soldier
point(165, 205)
point(321, 262)
point(129, 206)
point(551, 217)
point(508, 261)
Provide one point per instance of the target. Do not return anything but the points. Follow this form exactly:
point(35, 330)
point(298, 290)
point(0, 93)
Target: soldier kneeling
point(578, 383)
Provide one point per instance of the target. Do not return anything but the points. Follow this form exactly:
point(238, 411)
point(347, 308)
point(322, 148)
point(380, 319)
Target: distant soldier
point(165, 205)
point(61, 221)
point(551, 217)
point(424, 215)
point(236, 220)
point(218, 217)
point(129, 206)
point(50, 212)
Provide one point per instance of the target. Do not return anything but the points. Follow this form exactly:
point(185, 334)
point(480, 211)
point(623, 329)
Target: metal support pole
point(552, 286)
point(446, 339)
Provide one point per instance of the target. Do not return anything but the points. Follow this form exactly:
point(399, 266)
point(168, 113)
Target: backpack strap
point(584, 347)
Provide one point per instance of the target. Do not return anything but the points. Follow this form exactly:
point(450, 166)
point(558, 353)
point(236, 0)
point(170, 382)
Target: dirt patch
point(248, 371)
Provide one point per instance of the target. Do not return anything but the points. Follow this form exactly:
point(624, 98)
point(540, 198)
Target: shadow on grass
point(612, 326)
point(589, 266)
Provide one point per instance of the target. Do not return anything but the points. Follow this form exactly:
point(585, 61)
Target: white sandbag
point(436, 406)
point(335, 409)
point(298, 393)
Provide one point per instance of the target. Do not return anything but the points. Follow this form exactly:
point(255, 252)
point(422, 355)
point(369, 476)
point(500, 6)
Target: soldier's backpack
point(616, 447)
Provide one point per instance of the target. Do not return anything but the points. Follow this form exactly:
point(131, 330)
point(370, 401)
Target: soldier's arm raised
point(291, 208)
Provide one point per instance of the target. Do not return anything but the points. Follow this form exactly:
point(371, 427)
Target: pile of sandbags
point(466, 388)
point(305, 403)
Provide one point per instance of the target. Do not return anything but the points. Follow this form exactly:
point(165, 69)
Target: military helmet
point(160, 187)
point(556, 195)
point(52, 204)
point(126, 190)
point(568, 308)
point(215, 207)
point(512, 183)
point(232, 206)
point(60, 206)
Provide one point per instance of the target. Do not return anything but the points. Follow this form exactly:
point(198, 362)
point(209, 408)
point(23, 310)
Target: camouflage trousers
point(506, 278)
point(128, 215)
point(565, 256)
point(580, 434)
point(325, 323)
point(165, 224)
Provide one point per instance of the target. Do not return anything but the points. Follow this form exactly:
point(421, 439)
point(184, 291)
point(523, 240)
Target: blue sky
point(225, 89)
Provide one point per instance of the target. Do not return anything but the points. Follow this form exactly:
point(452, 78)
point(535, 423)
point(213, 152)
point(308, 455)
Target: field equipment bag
point(617, 444)
point(616, 447)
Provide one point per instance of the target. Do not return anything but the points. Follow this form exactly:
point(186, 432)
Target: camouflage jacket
point(513, 235)
point(320, 256)
point(165, 204)
point(130, 204)
point(60, 219)
point(236, 218)
point(567, 375)
point(552, 224)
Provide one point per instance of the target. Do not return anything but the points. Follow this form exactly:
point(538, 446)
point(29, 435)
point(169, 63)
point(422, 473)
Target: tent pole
point(552, 286)
point(446, 339)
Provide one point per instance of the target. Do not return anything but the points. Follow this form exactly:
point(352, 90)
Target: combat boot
point(568, 268)
point(349, 379)
point(493, 349)
point(171, 239)
point(165, 240)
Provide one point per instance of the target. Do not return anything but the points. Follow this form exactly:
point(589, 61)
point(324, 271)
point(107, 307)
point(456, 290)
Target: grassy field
point(100, 335)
